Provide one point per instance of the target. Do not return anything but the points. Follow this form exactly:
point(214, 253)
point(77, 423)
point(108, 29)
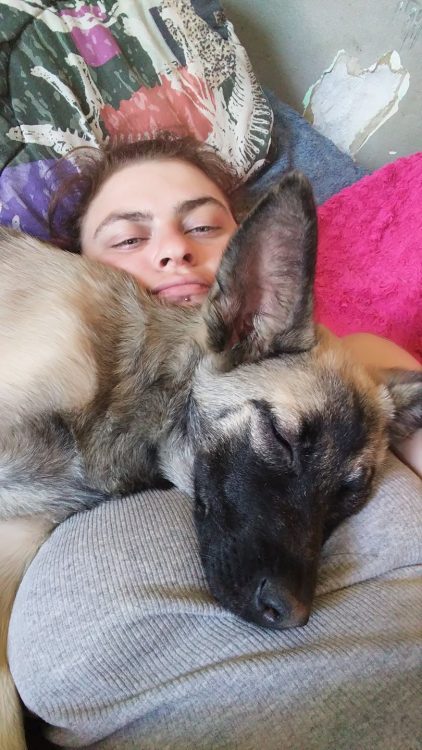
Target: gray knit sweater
point(115, 641)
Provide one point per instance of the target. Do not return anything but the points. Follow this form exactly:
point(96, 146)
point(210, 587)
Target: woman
point(160, 209)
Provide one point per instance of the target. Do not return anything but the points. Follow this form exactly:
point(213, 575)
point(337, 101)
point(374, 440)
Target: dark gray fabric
point(299, 146)
point(115, 640)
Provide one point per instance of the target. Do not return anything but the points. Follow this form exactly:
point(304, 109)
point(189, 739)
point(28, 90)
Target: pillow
point(74, 73)
point(295, 144)
point(369, 267)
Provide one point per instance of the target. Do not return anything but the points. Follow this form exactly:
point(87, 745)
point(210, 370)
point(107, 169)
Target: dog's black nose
point(274, 608)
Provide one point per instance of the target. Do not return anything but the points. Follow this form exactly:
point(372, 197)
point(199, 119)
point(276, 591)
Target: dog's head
point(292, 432)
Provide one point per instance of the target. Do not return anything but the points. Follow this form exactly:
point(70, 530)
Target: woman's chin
point(185, 300)
point(192, 301)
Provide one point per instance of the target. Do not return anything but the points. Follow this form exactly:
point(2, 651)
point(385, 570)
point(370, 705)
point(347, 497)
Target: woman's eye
point(203, 229)
point(130, 242)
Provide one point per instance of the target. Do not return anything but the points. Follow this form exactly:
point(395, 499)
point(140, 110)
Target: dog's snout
point(272, 607)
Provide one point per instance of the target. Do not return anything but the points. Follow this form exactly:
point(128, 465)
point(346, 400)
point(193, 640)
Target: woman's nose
point(175, 251)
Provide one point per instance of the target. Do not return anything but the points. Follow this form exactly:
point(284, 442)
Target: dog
point(244, 403)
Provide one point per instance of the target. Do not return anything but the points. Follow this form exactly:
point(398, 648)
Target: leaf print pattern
point(81, 72)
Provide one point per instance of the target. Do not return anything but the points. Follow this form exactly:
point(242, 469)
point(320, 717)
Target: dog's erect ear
point(405, 389)
point(262, 300)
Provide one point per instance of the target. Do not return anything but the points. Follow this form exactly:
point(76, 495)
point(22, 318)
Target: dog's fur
point(243, 402)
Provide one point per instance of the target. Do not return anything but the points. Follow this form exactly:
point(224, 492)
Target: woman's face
point(163, 221)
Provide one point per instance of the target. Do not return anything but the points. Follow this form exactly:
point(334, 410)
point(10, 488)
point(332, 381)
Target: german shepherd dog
point(243, 402)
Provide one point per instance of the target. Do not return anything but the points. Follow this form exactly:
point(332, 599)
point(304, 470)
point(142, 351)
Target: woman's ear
point(261, 303)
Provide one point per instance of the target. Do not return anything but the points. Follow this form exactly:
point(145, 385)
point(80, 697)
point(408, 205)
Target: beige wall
point(291, 43)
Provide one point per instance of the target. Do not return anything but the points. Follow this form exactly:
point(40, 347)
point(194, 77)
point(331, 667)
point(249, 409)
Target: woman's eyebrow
point(185, 207)
point(123, 215)
point(181, 209)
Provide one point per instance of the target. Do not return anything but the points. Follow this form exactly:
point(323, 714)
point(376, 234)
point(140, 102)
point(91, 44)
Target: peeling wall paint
point(349, 103)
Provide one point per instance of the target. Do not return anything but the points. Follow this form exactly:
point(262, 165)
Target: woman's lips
point(182, 291)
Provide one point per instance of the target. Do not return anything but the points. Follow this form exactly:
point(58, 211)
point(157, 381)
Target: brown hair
point(76, 189)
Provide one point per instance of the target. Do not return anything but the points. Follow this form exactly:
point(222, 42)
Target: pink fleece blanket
point(369, 269)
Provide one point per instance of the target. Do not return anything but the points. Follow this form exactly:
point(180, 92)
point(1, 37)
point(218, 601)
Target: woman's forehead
point(154, 187)
point(162, 175)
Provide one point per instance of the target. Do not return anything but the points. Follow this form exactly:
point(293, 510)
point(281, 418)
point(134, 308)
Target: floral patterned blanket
point(79, 72)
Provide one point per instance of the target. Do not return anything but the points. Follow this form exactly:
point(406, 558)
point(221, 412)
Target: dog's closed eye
point(277, 439)
point(282, 439)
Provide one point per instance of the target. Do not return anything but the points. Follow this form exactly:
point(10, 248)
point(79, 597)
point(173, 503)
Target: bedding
point(77, 72)
point(369, 269)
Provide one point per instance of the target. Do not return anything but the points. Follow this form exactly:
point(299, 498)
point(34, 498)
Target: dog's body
point(244, 403)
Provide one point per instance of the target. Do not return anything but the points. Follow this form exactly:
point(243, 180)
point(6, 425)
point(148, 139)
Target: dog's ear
point(405, 389)
point(262, 300)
